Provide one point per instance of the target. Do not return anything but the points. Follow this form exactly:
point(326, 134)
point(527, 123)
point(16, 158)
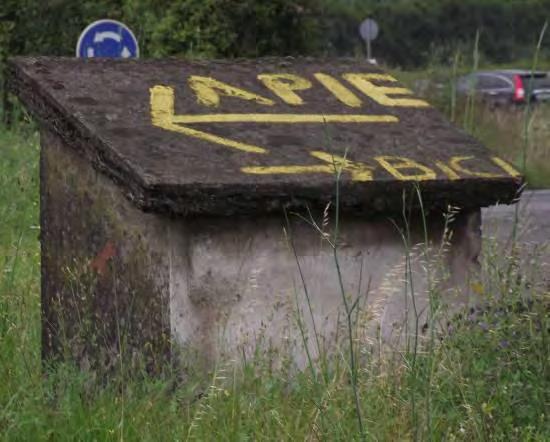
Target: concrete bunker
point(190, 204)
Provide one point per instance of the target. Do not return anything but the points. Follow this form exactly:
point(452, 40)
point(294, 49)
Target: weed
point(485, 377)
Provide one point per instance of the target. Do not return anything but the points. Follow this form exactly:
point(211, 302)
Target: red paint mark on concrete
point(99, 263)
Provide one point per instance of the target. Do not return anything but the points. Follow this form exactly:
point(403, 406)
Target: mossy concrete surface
point(118, 281)
point(105, 277)
point(212, 206)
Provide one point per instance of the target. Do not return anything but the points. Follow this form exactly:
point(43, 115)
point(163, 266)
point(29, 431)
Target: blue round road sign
point(107, 38)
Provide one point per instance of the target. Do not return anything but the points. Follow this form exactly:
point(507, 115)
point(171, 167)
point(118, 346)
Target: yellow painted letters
point(209, 90)
point(451, 174)
point(506, 167)
point(162, 115)
point(338, 90)
point(284, 85)
point(358, 171)
point(457, 163)
point(395, 166)
point(162, 105)
point(380, 94)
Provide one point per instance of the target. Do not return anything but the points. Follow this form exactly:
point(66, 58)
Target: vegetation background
point(413, 32)
point(435, 38)
point(488, 379)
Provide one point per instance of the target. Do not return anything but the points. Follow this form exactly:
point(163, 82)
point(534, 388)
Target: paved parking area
point(532, 215)
point(531, 218)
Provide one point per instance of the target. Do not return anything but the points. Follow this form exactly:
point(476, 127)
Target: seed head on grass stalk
point(526, 122)
point(338, 167)
point(289, 240)
point(469, 114)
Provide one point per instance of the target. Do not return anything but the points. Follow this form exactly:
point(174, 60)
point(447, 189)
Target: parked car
point(506, 86)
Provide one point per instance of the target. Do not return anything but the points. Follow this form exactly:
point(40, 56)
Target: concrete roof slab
point(249, 136)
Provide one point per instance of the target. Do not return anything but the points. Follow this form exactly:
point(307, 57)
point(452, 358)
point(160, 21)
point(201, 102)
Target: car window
point(492, 82)
point(540, 82)
point(538, 75)
point(483, 82)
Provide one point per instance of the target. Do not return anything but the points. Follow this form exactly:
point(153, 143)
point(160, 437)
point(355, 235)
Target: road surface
point(532, 214)
point(532, 236)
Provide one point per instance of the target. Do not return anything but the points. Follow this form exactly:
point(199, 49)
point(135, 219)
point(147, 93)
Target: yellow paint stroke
point(342, 93)
point(451, 174)
point(358, 171)
point(162, 102)
point(380, 94)
point(284, 85)
point(162, 115)
point(394, 165)
point(456, 163)
point(209, 90)
point(456, 166)
point(288, 170)
point(506, 167)
point(283, 118)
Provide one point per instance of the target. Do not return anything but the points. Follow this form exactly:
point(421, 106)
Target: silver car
point(506, 86)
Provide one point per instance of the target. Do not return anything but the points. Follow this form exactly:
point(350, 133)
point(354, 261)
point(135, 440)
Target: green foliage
point(487, 380)
point(219, 28)
point(414, 32)
point(500, 128)
point(49, 27)
point(196, 28)
point(232, 28)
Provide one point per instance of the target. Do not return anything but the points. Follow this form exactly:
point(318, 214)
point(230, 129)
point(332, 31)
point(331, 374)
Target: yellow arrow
point(358, 171)
point(162, 115)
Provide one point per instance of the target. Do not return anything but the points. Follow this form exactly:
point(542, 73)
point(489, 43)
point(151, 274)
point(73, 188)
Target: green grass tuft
point(487, 380)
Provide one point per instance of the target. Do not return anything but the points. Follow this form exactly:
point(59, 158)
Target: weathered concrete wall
point(105, 270)
point(244, 277)
point(117, 278)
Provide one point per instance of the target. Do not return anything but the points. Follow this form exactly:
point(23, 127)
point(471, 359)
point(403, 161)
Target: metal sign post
point(369, 31)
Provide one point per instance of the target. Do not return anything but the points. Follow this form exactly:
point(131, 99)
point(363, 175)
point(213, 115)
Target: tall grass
point(483, 375)
point(520, 134)
point(486, 379)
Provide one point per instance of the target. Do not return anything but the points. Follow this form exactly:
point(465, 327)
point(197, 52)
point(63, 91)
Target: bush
point(204, 28)
point(232, 28)
point(413, 32)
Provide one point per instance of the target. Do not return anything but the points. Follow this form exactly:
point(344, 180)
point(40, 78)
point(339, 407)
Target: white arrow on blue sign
point(107, 38)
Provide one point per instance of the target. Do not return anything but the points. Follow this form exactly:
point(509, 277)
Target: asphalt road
point(532, 214)
point(532, 232)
